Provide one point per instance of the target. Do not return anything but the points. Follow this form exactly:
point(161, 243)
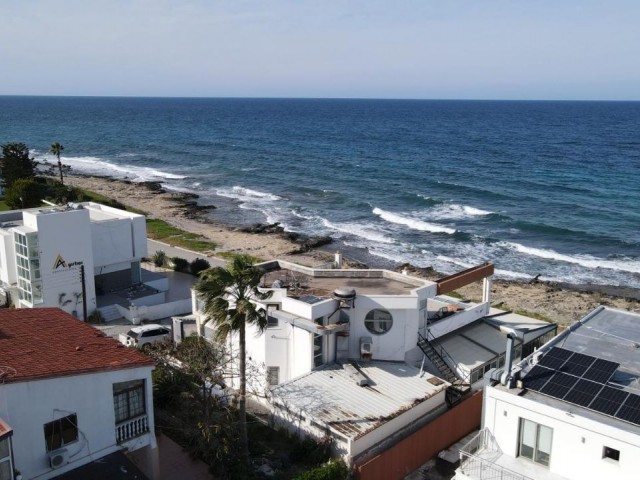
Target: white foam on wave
point(412, 223)
point(358, 230)
point(454, 211)
point(247, 194)
point(97, 166)
point(587, 261)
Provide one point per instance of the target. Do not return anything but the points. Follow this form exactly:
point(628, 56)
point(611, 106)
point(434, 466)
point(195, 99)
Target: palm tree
point(56, 149)
point(228, 294)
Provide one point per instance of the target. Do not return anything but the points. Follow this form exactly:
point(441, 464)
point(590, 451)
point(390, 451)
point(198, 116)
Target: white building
point(339, 341)
point(571, 410)
point(70, 394)
point(44, 252)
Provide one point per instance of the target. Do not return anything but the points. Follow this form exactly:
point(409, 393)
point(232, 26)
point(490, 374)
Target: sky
point(432, 49)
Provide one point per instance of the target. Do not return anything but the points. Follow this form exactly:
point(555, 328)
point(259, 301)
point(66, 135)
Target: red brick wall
point(408, 454)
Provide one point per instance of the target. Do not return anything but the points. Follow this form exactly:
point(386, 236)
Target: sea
point(540, 188)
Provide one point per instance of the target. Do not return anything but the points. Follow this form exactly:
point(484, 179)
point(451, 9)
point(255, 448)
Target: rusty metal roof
point(331, 397)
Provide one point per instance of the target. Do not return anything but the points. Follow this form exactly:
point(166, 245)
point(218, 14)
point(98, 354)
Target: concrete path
point(154, 245)
point(176, 463)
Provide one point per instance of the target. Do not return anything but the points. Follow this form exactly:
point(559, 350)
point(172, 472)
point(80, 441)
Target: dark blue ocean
point(549, 188)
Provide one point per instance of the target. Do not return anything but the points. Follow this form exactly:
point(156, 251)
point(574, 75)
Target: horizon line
point(322, 98)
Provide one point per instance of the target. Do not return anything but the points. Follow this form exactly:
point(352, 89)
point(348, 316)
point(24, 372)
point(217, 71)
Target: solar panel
point(609, 400)
point(630, 410)
point(577, 364)
point(601, 371)
point(552, 362)
point(583, 393)
point(560, 353)
point(537, 377)
point(558, 385)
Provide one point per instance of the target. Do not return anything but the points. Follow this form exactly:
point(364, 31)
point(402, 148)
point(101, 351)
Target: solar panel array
point(582, 380)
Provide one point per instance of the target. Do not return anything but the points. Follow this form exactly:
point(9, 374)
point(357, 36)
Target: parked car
point(138, 336)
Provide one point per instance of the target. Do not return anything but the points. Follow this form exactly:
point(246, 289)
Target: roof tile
point(48, 342)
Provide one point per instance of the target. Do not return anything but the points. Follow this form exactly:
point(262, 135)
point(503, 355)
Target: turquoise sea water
point(549, 188)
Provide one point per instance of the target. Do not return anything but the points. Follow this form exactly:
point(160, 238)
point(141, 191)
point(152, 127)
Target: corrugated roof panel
point(332, 396)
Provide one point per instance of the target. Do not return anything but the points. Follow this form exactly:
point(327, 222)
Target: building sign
point(61, 263)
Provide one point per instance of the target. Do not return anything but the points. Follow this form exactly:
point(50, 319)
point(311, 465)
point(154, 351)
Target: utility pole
point(84, 294)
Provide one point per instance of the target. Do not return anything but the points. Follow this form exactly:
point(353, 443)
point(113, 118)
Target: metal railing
point(478, 456)
point(444, 355)
point(132, 428)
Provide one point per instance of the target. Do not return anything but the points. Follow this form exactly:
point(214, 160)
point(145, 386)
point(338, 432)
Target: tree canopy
point(24, 193)
point(16, 163)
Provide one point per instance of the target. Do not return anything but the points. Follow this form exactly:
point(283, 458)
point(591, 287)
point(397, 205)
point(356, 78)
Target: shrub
point(198, 265)
point(159, 258)
point(95, 317)
point(311, 451)
point(24, 193)
point(180, 264)
point(332, 470)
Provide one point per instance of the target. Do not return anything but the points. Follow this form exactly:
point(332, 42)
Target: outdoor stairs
point(110, 313)
point(458, 388)
point(437, 360)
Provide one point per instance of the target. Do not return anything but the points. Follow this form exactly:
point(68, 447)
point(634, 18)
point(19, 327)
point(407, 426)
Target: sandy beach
point(562, 304)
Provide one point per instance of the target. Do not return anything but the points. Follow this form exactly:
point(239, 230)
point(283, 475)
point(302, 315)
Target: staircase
point(436, 354)
point(436, 359)
point(110, 313)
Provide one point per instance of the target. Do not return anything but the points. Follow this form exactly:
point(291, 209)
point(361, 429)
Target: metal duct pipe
point(508, 361)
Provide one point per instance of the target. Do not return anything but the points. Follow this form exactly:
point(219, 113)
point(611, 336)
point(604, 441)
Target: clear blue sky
point(484, 49)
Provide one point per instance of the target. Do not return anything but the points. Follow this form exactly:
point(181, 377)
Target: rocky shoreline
point(557, 302)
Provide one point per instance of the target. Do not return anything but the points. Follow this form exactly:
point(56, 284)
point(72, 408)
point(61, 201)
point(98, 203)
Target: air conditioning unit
point(58, 458)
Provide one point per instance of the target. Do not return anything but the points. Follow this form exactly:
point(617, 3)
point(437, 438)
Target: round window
point(378, 321)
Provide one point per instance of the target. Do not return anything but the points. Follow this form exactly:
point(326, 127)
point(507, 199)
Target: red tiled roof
point(47, 342)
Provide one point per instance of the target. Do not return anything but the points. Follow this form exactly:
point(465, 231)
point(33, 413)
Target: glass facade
point(28, 267)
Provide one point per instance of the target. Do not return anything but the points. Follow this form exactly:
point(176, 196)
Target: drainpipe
point(506, 379)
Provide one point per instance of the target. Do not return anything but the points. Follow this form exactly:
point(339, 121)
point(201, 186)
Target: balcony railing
point(132, 428)
point(478, 459)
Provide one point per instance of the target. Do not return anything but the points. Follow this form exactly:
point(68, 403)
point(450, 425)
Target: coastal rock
point(261, 228)
point(152, 186)
point(310, 243)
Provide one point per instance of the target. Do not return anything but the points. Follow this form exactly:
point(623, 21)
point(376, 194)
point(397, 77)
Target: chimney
point(508, 362)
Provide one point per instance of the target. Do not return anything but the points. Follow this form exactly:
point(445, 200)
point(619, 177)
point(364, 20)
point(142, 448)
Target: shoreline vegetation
point(178, 219)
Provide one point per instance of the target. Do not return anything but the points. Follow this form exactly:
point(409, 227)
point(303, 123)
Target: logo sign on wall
point(60, 264)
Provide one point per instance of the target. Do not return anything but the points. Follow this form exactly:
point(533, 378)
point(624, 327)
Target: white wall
point(67, 234)
point(7, 258)
point(28, 406)
point(577, 443)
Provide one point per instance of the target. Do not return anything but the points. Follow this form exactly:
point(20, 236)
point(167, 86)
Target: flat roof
point(303, 281)
point(331, 396)
point(605, 333)
point(37, 343)
point(483, 340)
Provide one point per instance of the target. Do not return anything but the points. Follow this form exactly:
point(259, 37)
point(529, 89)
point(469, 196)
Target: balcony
point(132, 428)
point(482, 459)
point(479, 457)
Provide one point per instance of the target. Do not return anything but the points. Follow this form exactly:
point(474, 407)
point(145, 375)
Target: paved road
point(154, 245)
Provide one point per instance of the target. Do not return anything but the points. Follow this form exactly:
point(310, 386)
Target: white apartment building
point(70, 395)
point(360, 354)
point(54, 257)
point(571, 410)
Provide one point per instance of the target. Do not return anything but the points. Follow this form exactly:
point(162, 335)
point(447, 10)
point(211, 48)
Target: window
point(61, 432)
point(272, 322)
point(612, 453)
point(535, 442)
point(318, 345)
point(273, 375)
point(6, 467)
point(378, 321)
point(129, 400)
